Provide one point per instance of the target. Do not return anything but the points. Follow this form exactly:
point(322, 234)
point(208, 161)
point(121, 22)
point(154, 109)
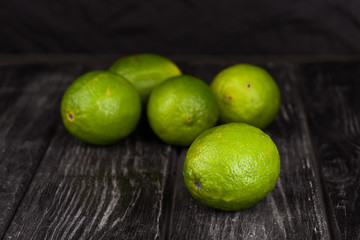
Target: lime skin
point(246, 93)
point(100, 108)
point(231, 167)
point(181, 108)
point(145, 71)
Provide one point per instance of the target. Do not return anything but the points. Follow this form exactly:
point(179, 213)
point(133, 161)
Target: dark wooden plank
point(294, 210)
point(86, 192)
point(29, 97)
point(331, 93)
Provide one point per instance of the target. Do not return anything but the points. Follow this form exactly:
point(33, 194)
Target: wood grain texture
point(27, 118)
point(87, 192)
point(294, 210)
point(332, 98)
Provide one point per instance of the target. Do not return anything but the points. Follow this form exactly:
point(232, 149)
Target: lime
point(100, 108)
point(246, 93)
point(145, 71)
point(181, 108)
point(231, 167)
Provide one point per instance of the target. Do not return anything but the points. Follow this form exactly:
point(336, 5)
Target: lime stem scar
point(249, 85)
point(230, 97)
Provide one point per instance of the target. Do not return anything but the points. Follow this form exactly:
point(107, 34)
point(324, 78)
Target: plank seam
point(305, 125)
point(171, 188)
point(51, 138)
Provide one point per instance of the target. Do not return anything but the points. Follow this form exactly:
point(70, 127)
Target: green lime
point(181, 108)
point(100, 108)
point(145, 71)
point(231, 167)
point(246, 93)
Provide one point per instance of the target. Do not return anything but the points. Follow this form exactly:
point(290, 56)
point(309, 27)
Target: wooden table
point(53, 186)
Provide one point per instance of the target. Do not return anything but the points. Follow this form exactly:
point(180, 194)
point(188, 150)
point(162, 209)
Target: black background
point(180, 27)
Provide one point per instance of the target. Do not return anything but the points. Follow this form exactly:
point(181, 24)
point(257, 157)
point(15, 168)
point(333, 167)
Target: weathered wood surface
point(29, 98)
point(332, 96)
point(86, 192)
point(55, 187)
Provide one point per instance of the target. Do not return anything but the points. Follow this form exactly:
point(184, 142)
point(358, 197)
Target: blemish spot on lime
point(189, 120)
point(197, 184)
point(230, 97)
point(70, 117)
point(249, 85)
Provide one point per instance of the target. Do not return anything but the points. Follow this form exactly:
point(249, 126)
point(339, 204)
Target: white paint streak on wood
point(284, 113)
point(59, 218)
point(161, 189)
point(80, 223)
point(115, 196)
point(285, 202)
point(233, 226)
point(277, 216)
